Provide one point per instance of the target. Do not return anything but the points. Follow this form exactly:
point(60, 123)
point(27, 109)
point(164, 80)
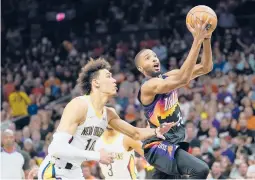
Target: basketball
point(205, 12)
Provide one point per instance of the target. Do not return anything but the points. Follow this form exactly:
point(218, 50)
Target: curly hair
point(90, 72)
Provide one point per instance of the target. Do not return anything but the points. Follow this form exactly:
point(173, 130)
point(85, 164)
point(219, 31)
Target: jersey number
point(90, 146)
point(180, 119)
point(110, 173)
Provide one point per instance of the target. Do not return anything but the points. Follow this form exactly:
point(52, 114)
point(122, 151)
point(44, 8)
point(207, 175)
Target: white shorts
point(49, 170)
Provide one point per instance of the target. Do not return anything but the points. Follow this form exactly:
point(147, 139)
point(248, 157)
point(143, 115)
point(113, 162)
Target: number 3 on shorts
point(110, 173)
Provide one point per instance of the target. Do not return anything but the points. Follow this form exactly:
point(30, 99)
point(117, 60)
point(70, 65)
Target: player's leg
point(172, 160)
point(190, 165)
point(161, 156)
point(157, 174)
point(46, 170)
point(49, 170)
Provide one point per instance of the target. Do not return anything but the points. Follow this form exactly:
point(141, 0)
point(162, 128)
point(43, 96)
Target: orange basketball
point(205, 11)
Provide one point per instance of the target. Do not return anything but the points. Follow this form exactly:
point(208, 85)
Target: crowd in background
point(219, 108)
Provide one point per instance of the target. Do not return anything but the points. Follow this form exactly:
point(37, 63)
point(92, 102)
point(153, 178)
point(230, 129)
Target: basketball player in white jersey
point(122, 148)
point(84, 120)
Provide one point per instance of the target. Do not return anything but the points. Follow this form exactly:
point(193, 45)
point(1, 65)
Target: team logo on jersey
point(166, 149)
point(170, 149)
point(164, 108)
point(171, 100)
point(92, 131)
point(118, 156)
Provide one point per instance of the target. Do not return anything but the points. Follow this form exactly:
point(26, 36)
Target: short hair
point(89, 72)
point(137, 57)
point(8, 131)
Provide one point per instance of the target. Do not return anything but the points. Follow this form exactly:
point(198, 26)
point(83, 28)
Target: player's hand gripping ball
point(202, 13)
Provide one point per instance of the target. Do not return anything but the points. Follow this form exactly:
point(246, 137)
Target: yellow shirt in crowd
point(19, 102)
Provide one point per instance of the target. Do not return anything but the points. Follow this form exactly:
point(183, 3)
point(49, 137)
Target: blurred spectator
point(240, 172)
point(250, 117)
point(225, 166)
point(38, 87)
point(33, 107)
point(9, 87)
point(69, 48)
point(37, 142)
point(130, 86)
point(29, 147)
point(19, 102)
point(10, 157)
point(185, 106)
point(216, 171)
point(213, 137)
point(251, 168)
point(225, 130)
point(243, 131)
point(203, 130)
point(227, 19)
point(35, 123)
point(6, 111)
point(86, 171)
point(226, 151)
point(196, 152)
point(47, 125)
point(26, 132)
point(122, 98)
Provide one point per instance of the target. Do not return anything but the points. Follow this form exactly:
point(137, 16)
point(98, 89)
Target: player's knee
point(204, 170)
point(201, 169)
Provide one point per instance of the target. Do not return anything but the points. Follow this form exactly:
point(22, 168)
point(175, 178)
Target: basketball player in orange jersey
point(84, 120)
point(123, 148)
point(158, 95)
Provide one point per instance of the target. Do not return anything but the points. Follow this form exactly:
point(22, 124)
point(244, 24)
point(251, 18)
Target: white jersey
point(123, 166)
point(90, 131)
point(11, 165)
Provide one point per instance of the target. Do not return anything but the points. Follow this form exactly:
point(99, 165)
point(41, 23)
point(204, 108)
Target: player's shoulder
point(78, 103)
point(81, 100)
point(149, 81)
point(149, 85)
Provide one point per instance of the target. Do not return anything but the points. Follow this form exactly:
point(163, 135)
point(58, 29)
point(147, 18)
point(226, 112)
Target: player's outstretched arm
point(134, 132)
point(73, 114)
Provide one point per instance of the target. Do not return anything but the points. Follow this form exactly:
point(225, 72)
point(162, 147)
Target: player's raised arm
point(73, 114)
point(134, 132)
point(206, 61)
point(184, 75)
point(206, 64)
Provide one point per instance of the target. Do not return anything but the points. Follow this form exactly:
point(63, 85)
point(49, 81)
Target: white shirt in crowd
point(12, 165)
